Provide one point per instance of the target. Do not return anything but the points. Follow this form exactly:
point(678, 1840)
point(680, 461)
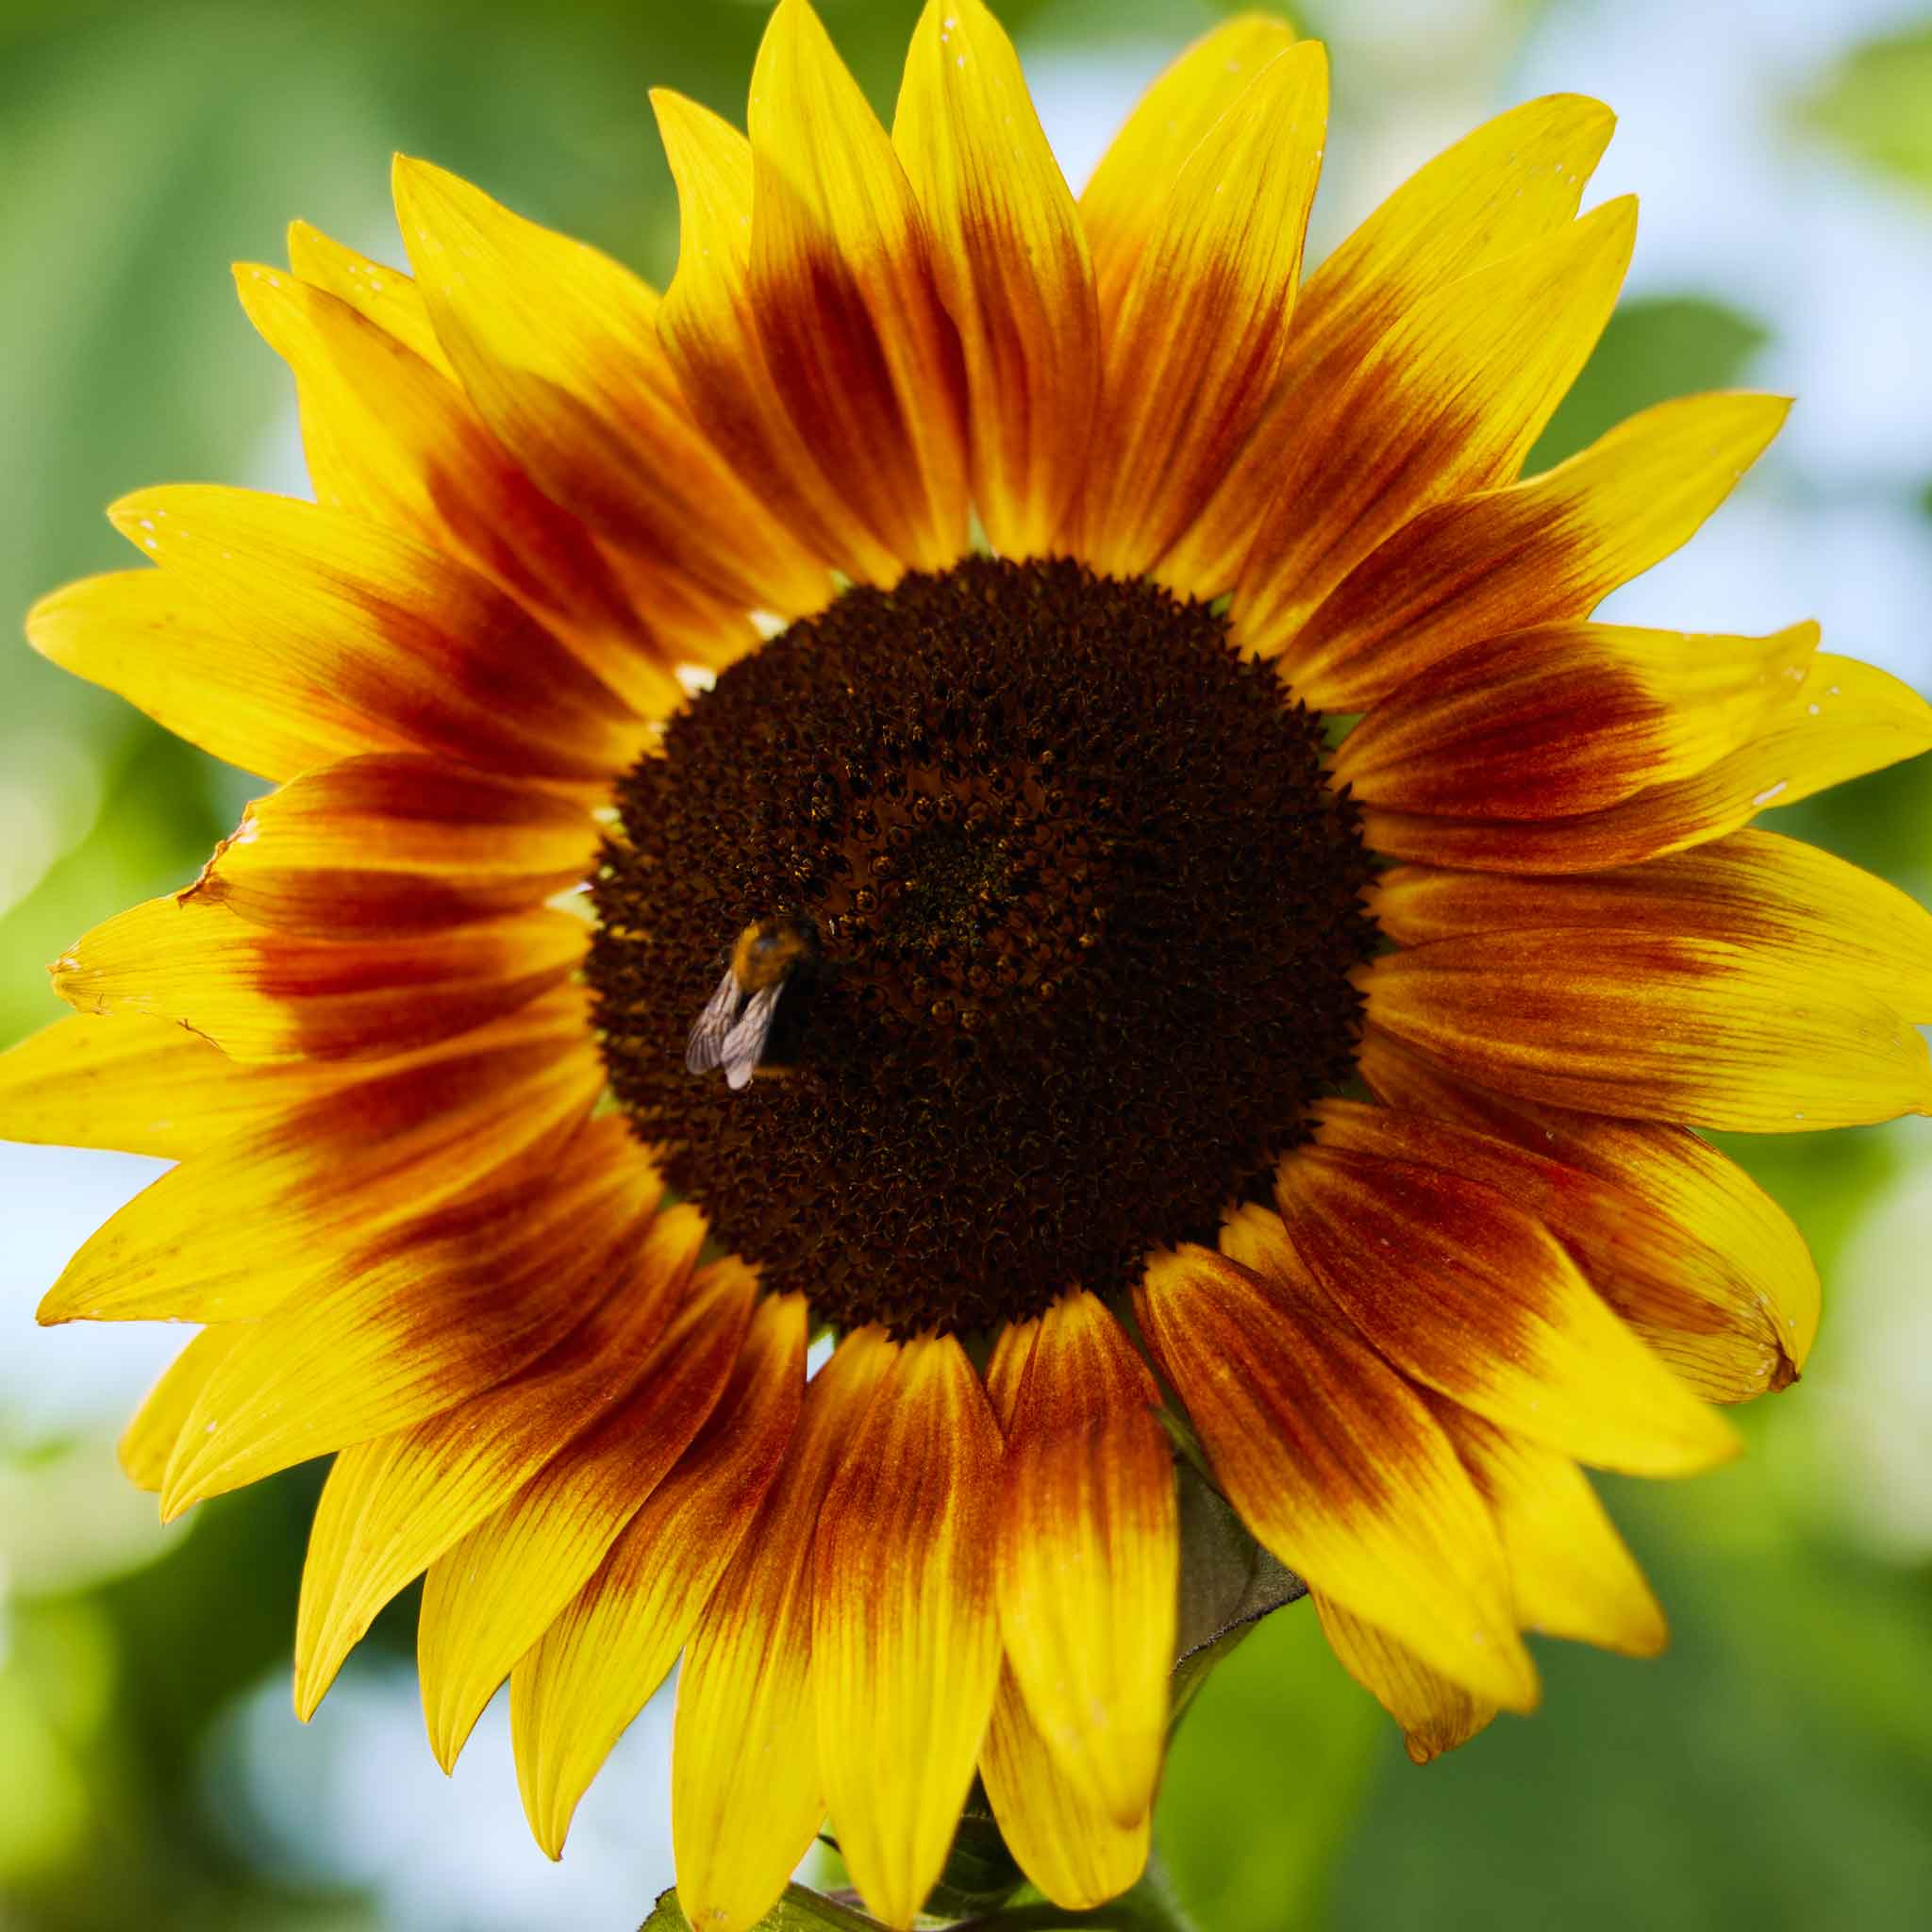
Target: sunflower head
point(1020, 786)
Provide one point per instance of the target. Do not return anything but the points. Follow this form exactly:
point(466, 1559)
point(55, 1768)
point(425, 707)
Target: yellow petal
point(1569, 1569)
point(1510, 183)
point(489, 1596)
point(1116, 208)
point(392, 1505)
point(558, 348)
point(1448, 401)
point(848, 310)
point(374, 290)
point(433, 655)
point(1197, 333)
point(1846, 719)
point(597, 1666)
point(1568, 717)
point(1071, 1847)
point(147, 1444)
point(1336, 1465)
point(260, 995)
point(1011, 264)
point(1548, 548)
point(746, 1798)
point(905, 1646)
point(1090, 1556)
point(1654, 1026)
point(1436, 1715)
point(1468, 1295)
point(389, 845)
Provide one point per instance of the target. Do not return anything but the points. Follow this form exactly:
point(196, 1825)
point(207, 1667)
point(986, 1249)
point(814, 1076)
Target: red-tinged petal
point(386, 846)
point(1197, 333)
point(147, 1444)
point(746, 1798)
point(905, 1646)
point(489, 1596)
point(171, 651)
point(1754, 888)
point(1436, 1715)
point(1540, 551)
point(1071, 1847)
point(374, 290)
point(1465, 1293)
point(847, 305)
point(1735, 1307)
point(557, 347)
point(392, 1505)
point(1845, 720)
point(1448, 401)
point(1510, 182)
point(393, 439)
point(1655, 1026)
point(1170, 119)
point(1335, 1463)
point(573, 1694)
point(1011, 263)
point(234, 1230)
point(709, 330)
point(422, 1318)
point(261, 995)
point(1089, 1556)
point(1569, 1569)
point(432, 656)
point(1568, 717)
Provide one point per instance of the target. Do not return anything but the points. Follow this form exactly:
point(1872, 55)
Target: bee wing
point(705, 1046)
point(745, 1043)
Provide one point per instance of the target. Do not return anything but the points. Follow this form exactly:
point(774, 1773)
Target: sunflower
point(1013, 785)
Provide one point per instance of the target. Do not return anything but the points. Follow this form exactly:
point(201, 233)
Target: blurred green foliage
point(1774, 1771)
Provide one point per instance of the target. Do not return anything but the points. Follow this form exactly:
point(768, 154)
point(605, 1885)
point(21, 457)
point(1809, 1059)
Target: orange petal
point(1436, 1714)
point(1197, 333)
point(1012, 268)
point(169, 650)
point(1168, 122)
point(1733, 1304)
point(1655, 1026)
point(261, 996)
point(1535, 552)
point(1468, 1295)
point(1070, 1846)
point(557, 347)
point(392, 1505)
point(1448, 401)
point(423, 1317)
point(435, 657)
point(374, 290)
point(1845, 720)
point(386, 846)
point(489, 1598)
point(746, 1798)
point(1754, 888)
point(395, 439)
point(841, 282)
point(234, 1230)
point(1569, 1569)
point(148, 1442)
point(1568, 717)
point(1335, 1465)
point(573, 1694)
point(1510, 182)
point(905, 1646)
point(1090, 1556)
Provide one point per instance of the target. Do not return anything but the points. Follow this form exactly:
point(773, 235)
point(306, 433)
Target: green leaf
point(1874, 106)
point(799, 1911)
point(1653, 348)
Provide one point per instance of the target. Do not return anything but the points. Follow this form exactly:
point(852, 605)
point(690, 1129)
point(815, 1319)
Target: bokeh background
point(1773, 1771)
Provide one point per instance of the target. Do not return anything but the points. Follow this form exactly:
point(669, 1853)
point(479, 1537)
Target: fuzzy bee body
point(737, 1019)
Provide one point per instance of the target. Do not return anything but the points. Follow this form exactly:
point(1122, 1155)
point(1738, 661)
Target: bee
point(737, 1020)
